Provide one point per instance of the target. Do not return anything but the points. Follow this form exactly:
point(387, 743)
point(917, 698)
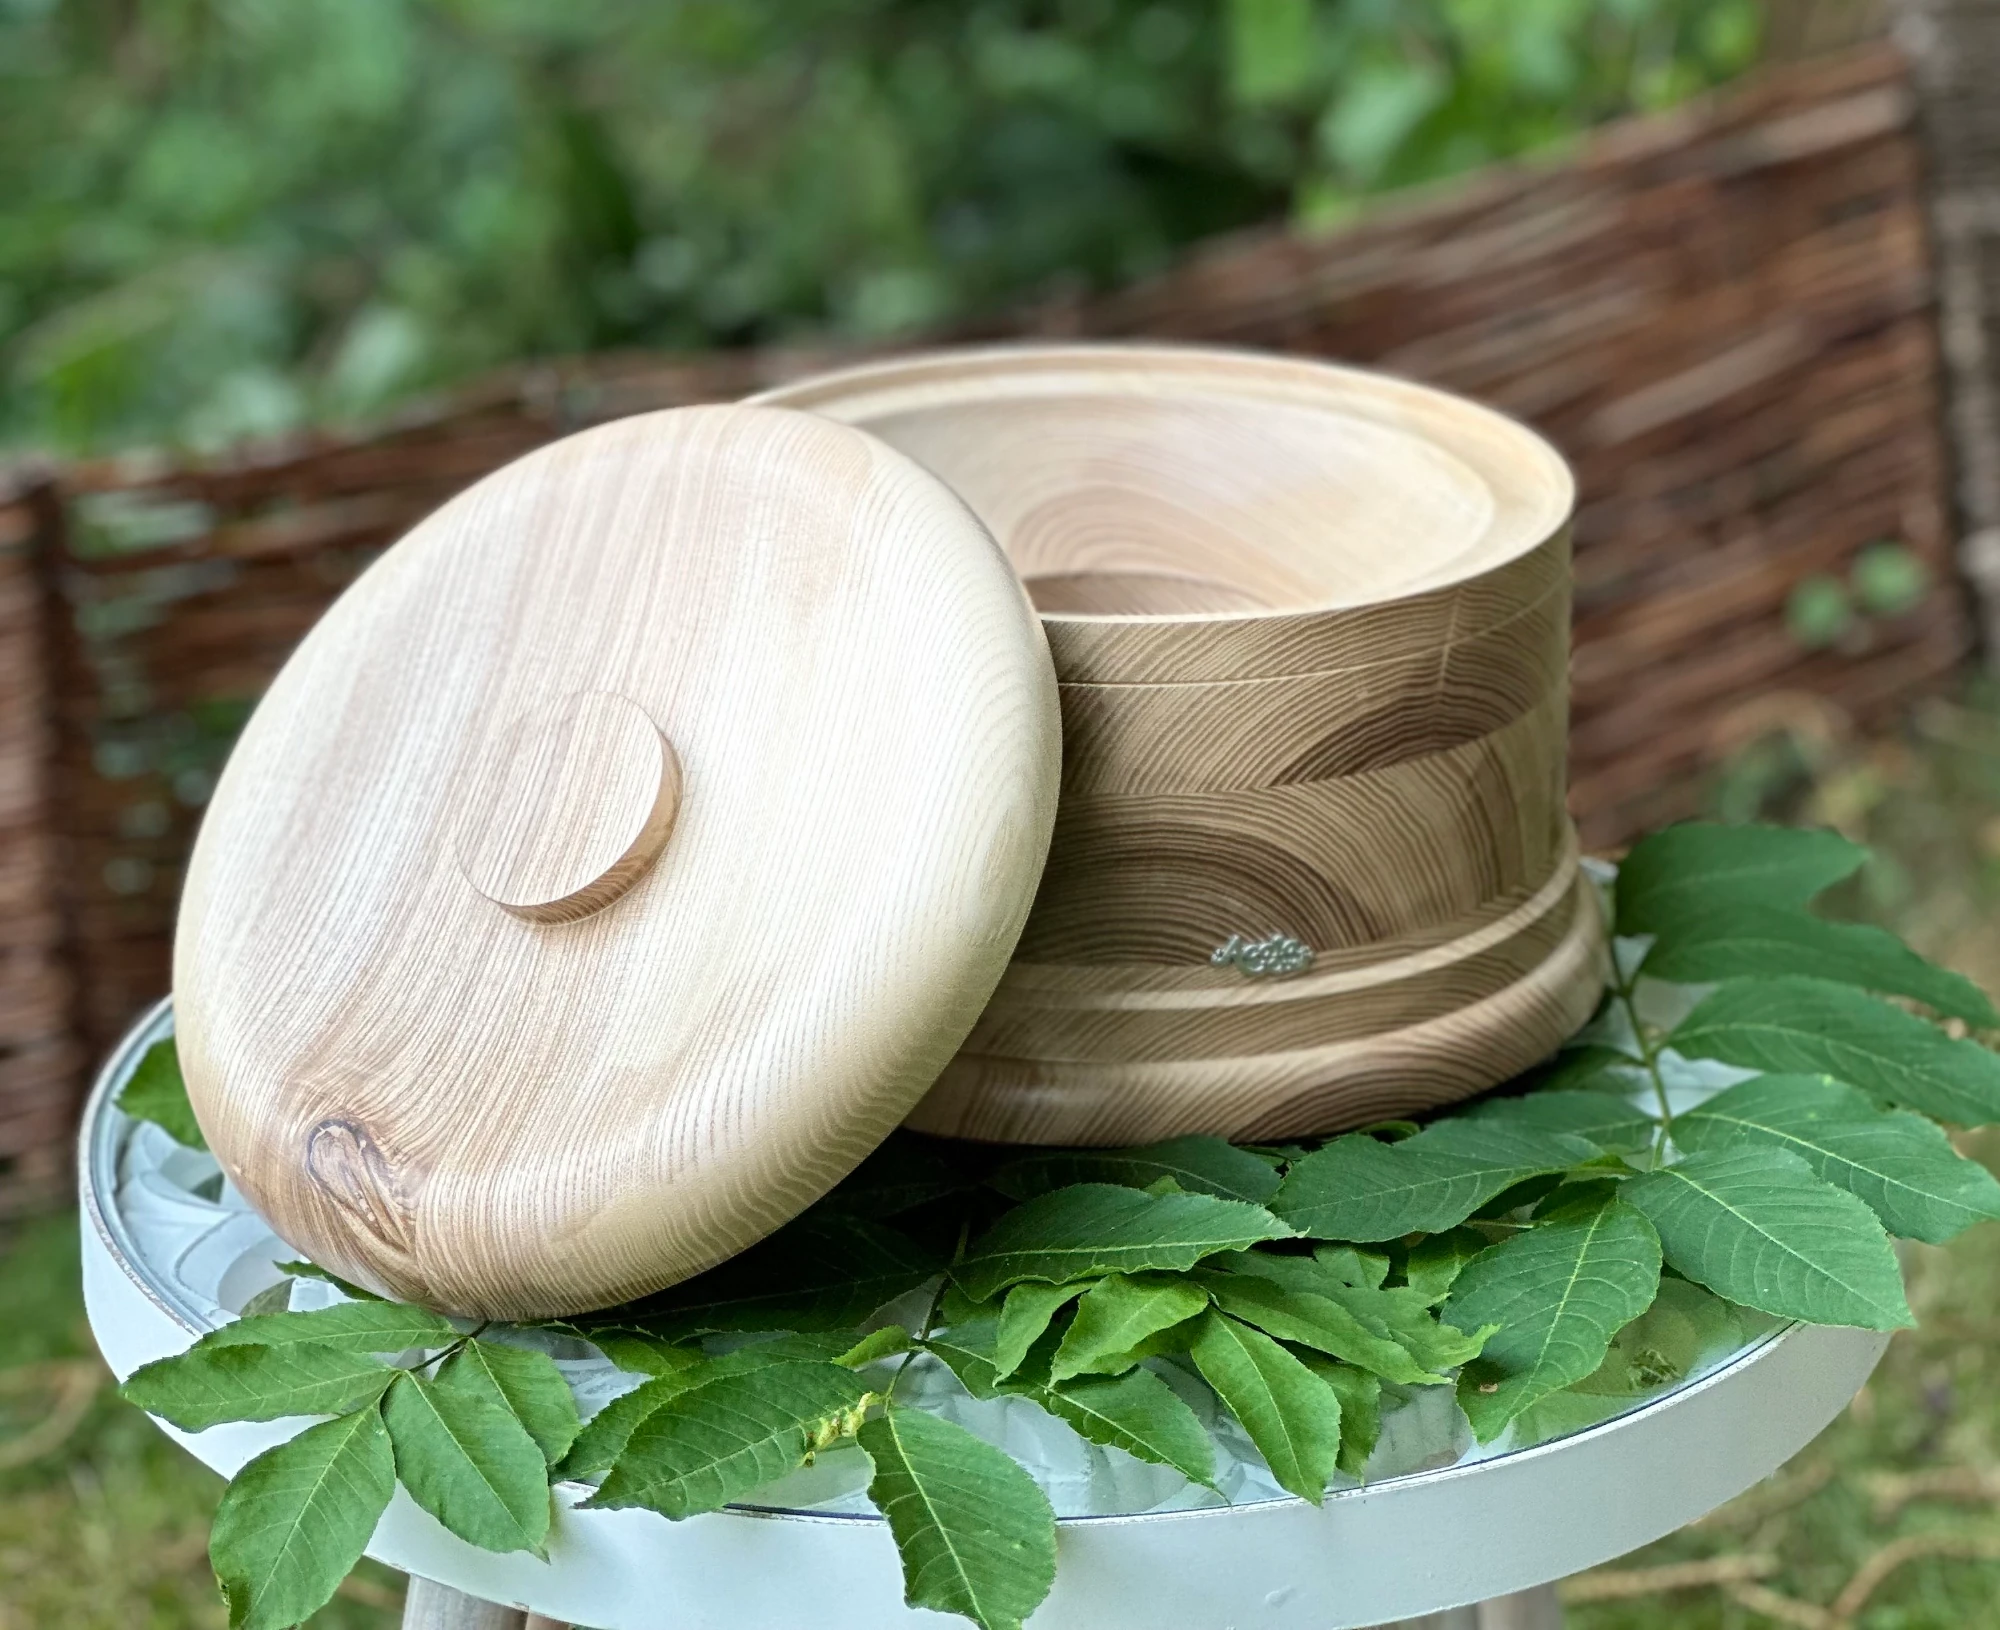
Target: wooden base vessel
point(1310, 628)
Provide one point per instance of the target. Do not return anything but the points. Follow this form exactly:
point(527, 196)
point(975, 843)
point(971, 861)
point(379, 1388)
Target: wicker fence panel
point(1723, 316)
point(1955, 50)
point(39, 1057)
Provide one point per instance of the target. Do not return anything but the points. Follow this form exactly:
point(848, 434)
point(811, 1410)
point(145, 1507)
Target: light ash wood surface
point(1355, 861)
point(752, 685)
point(1319, 727)
point(1298, 517)
point(1311, 631)
point(569, 807)
point(1266, 1094)
point(1079, 1021)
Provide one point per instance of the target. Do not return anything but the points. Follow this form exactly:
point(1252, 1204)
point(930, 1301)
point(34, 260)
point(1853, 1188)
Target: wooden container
point(686, 805)
point(1310, 627)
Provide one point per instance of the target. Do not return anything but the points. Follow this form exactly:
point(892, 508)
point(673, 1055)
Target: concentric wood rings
point(1311, 632)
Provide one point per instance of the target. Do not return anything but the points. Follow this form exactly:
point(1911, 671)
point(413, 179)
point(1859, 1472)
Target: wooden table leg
point(431, 1606)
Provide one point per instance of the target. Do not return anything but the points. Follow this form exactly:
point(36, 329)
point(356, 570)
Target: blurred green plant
point(229, 217)
point(1884, 580)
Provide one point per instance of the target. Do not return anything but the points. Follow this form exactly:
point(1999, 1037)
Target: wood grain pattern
point(1308, 517)
point(1354, 861)
point(1278, 1094)
point(1130, 650)
point(1315, 1009)
point(1311, 627)
point(1087, 982)
point(453, 1102)
point(1279, 732)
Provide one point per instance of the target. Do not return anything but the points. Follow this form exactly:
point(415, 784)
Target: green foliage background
point(228, 217)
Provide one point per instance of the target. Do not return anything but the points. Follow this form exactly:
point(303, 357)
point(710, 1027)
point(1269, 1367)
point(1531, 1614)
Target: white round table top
point(1397, 1548)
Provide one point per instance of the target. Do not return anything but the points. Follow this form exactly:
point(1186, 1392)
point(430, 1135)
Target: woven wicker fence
point(1723, 316)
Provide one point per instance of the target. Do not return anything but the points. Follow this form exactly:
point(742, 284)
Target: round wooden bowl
point(1311, 633)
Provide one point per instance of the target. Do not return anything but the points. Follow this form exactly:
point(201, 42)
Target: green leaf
point(639, 1352)
point(832, 1347)
point(719, 1441)
point(1291, 1414)
point(1758, 1228)
point(1435, 1261)
point(1380, 106)
point(1797, 1026)
point(955, 1307)
point(976, 1534)
point(819, 1273)
point(312, 1270)
point(1136, 1412)
point(206, 1386)
point(1094, 1229)
point(1587, 1068)
point(967, 1349)
point(1200, 1165)
point(1818, 612)
point(1685, 1326)
point(1663, 1345)
point(354, 1327)
point(1397, 1320)
point(1135, 1418)
point(1360, 1396)
point(1317, 1322)
point(468, 1462)
point(1686, 869)
point(1902, 1165)
point(1890, 579)
point(1599, 1117)
point(1024, 1317)
point(1117, 1314)
point(1350, 1265)
point(1357, 1188)
point(1558, 1293)
point(1271, 49)
point(602, 1438)
point(294, 1521)
point(521, 1381)
point(886, 1342)
point(271, 1299)
point(1321, 1274)
point(901, 1174)
point(1406, 1317)
point(1738, 940)
point(156, 1092)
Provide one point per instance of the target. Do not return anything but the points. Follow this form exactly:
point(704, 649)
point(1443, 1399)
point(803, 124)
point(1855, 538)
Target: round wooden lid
point(617, 862)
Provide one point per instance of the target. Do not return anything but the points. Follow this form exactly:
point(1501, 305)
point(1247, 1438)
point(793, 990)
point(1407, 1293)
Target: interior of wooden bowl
point(1163, 482)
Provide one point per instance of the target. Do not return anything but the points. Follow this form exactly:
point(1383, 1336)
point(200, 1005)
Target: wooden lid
point(617, 862)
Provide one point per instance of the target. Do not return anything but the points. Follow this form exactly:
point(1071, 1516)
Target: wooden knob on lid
point(566, 809)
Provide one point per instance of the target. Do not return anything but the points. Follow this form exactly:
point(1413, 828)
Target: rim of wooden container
point(1529, 512)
